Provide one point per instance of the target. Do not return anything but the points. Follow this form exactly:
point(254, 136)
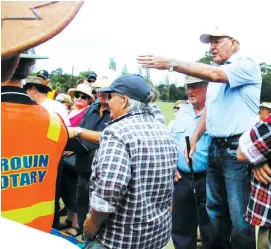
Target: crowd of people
point(125, 178)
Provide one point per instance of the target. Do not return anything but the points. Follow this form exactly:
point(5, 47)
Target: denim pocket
point(231, 152)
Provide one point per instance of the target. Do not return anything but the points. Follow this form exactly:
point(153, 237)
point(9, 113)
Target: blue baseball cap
point(43, 74)
point(132, 85)
point(91, 75)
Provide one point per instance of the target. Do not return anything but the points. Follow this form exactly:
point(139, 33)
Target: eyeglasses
point(176, 108)
point(91, 80)
point(82, 96)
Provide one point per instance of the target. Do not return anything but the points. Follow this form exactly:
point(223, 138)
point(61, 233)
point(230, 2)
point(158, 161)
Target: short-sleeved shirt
point(132, 178)
point(233, 108)
point(256, 145)
point(185, 125)
point(56, 107)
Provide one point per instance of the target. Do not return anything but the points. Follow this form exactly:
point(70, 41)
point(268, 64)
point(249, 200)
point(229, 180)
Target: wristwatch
point(79, 131)
point(171, 67)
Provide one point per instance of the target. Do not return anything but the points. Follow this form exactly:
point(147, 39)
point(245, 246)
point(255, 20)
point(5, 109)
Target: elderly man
point(132, 179)
point(184, 218)
point(232, 108)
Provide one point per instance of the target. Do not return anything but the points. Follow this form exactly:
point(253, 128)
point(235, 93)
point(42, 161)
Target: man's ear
point(124, 100)
point(234, 44)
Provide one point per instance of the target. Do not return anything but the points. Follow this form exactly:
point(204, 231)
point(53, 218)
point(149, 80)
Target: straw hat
point(101, 82)
point(192, 80)
point(35, 80)
point(83, 88)
point(178, 103)
point(64, 97)
point(28, 24)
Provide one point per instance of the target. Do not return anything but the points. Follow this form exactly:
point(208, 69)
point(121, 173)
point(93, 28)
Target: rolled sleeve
point(250, 150)
point(111, 174)
point(101, 205)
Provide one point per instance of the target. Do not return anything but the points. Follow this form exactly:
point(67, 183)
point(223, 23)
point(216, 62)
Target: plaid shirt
point(258, 150)
point(132, 179)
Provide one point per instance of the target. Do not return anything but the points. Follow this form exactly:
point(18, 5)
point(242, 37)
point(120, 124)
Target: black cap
point(132, 85)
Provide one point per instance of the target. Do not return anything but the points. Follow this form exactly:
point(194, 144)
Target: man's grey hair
point(134, 105)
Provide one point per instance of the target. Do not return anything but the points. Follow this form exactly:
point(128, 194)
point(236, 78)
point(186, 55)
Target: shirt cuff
point(250, 150)
point(100, 205)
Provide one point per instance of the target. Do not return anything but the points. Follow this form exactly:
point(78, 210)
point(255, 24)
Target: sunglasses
point(82, 96)
point(176, 108)
point(91, 81)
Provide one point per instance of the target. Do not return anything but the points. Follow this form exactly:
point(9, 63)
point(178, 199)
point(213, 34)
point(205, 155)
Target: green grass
point(167, 109)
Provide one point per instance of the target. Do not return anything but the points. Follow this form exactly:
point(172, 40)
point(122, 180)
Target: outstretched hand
point(150, 61)
point(72, 132)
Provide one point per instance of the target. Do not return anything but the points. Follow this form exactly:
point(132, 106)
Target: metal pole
point(193, 184)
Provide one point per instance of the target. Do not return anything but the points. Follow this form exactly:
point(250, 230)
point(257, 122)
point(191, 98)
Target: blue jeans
point(228, 191)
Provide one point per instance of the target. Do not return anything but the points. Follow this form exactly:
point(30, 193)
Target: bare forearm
point(200, 70)
point(89, 135)
point(94, 222)
point(92, 136)
point(201, 127)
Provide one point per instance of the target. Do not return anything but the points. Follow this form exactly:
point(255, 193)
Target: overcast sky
point(125, 28)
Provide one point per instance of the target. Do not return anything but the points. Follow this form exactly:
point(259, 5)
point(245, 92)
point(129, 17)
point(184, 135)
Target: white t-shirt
point(15, 235)
point(54, 106)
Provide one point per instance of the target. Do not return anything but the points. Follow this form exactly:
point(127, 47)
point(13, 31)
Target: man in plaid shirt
point(255, 146)
point(132, 173)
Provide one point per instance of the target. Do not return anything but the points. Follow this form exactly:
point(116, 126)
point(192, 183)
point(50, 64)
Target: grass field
point(167, 109)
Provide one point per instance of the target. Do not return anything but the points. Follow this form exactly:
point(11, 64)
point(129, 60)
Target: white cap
point(219, 31)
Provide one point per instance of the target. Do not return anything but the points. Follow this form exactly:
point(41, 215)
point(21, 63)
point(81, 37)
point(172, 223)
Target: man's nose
point(212, 46)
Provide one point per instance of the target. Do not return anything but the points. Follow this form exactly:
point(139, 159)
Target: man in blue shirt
point(233, 97)
point(184, 218)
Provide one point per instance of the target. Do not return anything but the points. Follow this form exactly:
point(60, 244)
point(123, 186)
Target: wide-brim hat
point(266, 105)
point(31, 54)
point(102, 82)
point(35, 80)
point(192, 80)
point(83, 88)
point(64, 97)
point(219, 32)
point(28, 24)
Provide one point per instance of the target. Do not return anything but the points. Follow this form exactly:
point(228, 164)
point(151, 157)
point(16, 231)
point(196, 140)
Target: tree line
point(168, 91)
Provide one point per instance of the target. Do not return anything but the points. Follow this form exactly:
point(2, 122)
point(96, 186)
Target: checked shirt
point(132, 178)
point(258, 150)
